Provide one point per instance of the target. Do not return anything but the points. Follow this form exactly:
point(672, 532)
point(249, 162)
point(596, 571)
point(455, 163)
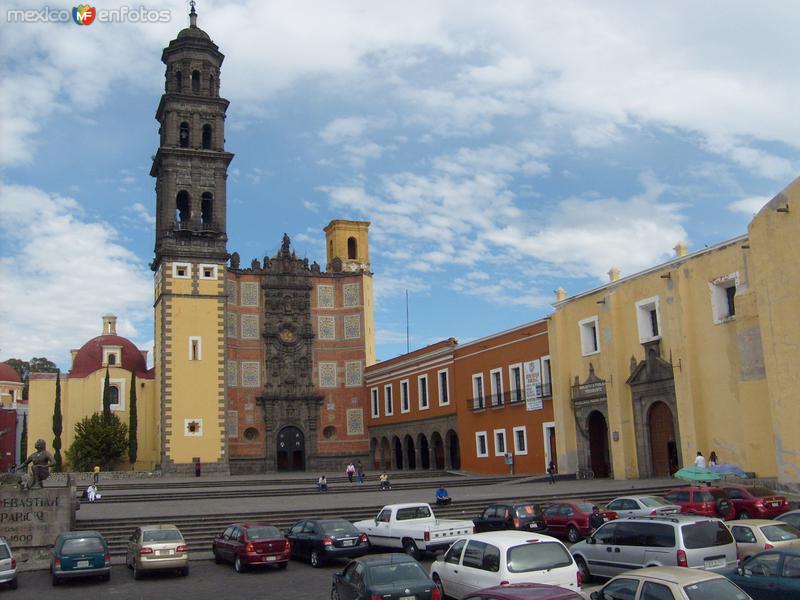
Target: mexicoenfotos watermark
point(83, 14)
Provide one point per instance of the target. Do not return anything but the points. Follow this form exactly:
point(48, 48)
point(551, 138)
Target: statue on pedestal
point(41, 460)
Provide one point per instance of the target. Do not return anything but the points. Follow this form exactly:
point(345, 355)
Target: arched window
point(195, 81)
point(207, 208)
point(352, 248)
point(178, 81)
point(211, 85)
point(182, 207)
point(112, 359)
point(183, 137)
point(114, 393)
point(206, 137)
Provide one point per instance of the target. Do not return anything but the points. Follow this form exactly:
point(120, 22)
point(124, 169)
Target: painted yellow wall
point(336, 235)
point(369, 320)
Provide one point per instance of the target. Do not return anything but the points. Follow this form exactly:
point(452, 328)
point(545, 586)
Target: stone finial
point(192, 15)
point(109, 325)
point(613, 274)
point(681, 249)
point(561, 294)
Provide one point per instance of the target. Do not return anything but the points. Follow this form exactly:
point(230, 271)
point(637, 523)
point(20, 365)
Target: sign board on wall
point(533, 384)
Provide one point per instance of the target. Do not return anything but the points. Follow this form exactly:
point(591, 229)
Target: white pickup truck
point(414, 528)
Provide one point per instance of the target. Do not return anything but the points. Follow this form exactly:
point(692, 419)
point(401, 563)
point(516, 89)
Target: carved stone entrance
point(598, 444)
point(291, 453)
point(590, 406)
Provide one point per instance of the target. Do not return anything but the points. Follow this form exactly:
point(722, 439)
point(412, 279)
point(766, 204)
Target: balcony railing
point(512, 398)
point(189, 226)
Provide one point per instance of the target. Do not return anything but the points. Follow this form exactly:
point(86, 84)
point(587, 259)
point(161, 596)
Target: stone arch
point(453, 450)
point(183, 207)
point(397, 453)
point(385, 453)
point(599, 448)
point(411, 457)
point(352, 248)
point(662, 440)
point(374, 452)
point(195, 81)
point(183, 135)
point(424, 452)
point(207, 208)
point(208, 133)
point(437, 445)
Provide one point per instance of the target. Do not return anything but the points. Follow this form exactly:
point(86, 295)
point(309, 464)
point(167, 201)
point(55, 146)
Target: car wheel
point(438, 582)
point(583, 568)
point(334, 593)
point(13, 584)
point(315, 559)
point(410, 548)
point(137, 573)
point(572, 534)
point(56, 581)
point(238, 565)
point(217, 559)
point(744, 515)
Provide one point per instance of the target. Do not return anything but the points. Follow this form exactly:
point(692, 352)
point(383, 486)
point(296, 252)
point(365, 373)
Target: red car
point(571, 518)
point(524, 591)
point(755, 502)
point(250, 545)
point(703, 500)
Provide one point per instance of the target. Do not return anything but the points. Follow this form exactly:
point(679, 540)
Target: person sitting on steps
point(322, 483)
point(442, 497)
point(385, 483)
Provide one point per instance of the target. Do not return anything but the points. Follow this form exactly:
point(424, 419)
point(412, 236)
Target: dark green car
point(771, 575)
point(387, 576)
point(80, 554)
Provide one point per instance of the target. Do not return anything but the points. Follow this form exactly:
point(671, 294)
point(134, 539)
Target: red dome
point(9, 373)
point(90, 357)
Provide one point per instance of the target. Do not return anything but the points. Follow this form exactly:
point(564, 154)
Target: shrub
point(100, 441)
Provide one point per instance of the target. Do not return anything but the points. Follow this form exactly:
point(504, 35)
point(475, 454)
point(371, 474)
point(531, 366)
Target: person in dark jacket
point(595, 519)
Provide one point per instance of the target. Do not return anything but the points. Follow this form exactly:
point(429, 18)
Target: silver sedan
point(642, 506)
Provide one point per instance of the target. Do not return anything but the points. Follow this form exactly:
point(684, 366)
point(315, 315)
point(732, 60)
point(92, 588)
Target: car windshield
point(653, 501)
point(585, 507)
point(761, 492)
point(780, 533)
point(407, 571)
point(262, 533)
point(537, 557)
point(714, 589)
point(82, 546)
point(340, 527)
point(4, 553)
point(705, 534)
point(526, 510)
point(162, 535)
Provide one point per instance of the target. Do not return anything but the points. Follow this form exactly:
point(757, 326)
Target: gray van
point(668, 541)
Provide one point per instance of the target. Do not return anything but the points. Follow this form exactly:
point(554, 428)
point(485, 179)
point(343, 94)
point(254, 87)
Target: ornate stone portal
point(590, 405)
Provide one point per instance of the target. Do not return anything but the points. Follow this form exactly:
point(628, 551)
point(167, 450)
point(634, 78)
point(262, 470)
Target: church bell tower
point(190, 168)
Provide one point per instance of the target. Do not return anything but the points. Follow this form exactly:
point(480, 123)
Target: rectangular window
point(208, 271)
point(422, 384)
point(496, 381)
point(515, 381)
point(181, 270)
point(387, 398)
point(481, 445)
point(444, 390)
point(195, 348)
point(723, 297)
point(590, 343)
point(520, 440)
point(730, 295)
point(547, 389)
point(478, 401)
point(647, 318)
point(405, 401)
point(499, 442)
point(376, 406)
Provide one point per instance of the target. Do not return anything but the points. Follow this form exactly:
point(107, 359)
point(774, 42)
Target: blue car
point(80, 554)
point(770, 575)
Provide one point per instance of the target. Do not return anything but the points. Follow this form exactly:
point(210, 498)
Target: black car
point(524, 516)
point(320, 540)
point(389, 576)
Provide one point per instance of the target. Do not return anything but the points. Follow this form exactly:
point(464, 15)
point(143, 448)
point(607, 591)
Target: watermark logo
point(83, 14)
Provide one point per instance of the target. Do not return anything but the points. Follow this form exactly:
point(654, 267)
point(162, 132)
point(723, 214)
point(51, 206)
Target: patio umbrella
point(728, 469)
point(696, 474)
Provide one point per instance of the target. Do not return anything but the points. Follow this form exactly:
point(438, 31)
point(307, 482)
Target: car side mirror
point(747, 572)
point(338, 574)
point(376, 520)
point(591, 540)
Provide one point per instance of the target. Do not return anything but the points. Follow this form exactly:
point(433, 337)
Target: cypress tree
point(57, 425)
point(106, 398)
point(23, 440)
point(133, 425)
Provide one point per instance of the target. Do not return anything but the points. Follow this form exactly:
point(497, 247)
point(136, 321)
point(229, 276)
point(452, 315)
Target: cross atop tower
point(192, 15)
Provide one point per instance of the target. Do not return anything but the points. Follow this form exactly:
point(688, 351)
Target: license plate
point(163, 552)
point(715, 564)
point(82, 564)
point(775, 504)
point(605, 518)
point(347, 542)
point(408, 598)
point(270, 558)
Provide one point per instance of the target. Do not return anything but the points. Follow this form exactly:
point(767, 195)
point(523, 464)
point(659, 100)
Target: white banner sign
point(533, 385)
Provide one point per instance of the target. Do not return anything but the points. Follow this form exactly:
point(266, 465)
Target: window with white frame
point(388, 401)
point(547, 389)
point(422, 388)
point(117, 392)
point(208, 271)
point(195, 347)
point(376, 405)
point(481, 444)
point(590, 341)
point(499, 442)
point(405, 401)
point(723, 297)
point(647, 319)
point(181, 270)
point(515, 382)
point(520, 440)
point(478, 401)
point(496, 383)
point(444, 388)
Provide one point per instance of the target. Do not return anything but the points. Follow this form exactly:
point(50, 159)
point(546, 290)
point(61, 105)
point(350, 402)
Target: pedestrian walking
point(700, 460)
point(713, 461)
point(360, 472)
point(551, 472)
point(96, 475)
point(595, 519)
point(350, 471)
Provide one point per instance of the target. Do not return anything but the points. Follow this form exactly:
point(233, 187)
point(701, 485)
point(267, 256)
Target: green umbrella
point(696, 474)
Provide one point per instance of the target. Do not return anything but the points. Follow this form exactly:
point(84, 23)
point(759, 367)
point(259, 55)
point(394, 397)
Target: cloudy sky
point(500, 150)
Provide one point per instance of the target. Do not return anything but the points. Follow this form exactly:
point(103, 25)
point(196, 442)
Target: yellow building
point(696, 354)
point(82, 393)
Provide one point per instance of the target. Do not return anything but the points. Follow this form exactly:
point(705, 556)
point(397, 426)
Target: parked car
point(642, 506)
point(80, 554)
point(251, 545)
point(8, 565)
point(705, 500)
point(571, 518)
point(677, 540)
point(771, 575)
point(792, 518)
point(756, 535)
point(669, 583)
point(755, 502)
point(524, 591)
point(414, 528)
point(155, 548)
point(321, 540)
point(488, 559)
point(498, 517)
point(385, 576)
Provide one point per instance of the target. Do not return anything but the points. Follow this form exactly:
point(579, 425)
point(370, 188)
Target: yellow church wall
point(369, 320)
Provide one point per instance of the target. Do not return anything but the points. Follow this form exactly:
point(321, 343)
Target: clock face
point(286, 335)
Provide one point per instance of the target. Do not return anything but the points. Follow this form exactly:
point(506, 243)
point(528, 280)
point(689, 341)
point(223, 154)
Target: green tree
point(133, 424)
point(23, 440)
point(25, 368)
point(106, 398)
point(98, 441)
point(57, 425)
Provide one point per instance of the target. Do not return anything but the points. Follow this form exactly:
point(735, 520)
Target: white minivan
point(494, 558)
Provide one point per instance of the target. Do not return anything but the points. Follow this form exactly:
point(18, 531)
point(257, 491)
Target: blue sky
point(500, 150)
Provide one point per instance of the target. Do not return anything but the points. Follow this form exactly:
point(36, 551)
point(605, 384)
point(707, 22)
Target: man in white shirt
point(700, 460)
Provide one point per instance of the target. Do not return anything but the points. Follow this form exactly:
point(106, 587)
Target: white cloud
point(139, 210)
point(748, 206)
point(61, 272)
point(344, 129)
